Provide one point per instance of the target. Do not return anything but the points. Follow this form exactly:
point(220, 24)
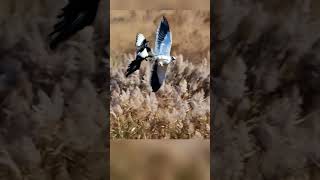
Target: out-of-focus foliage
point(44, 131)
point(190, 31)
point(266, 83)
point(181, 108)
point(159, 4)
point(160, 160)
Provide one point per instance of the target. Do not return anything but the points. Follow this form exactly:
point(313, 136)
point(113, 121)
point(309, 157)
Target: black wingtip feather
point(70, 22)
point(165, 22)
point(164, 25)
point(155, 84)
point(164, 19)
point(133, 66)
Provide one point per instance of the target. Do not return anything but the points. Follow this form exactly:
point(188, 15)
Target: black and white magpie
point(143, 51)
point(76, 15)
point(160, 57)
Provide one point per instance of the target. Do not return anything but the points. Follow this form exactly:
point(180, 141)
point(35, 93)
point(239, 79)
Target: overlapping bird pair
point(160, 57)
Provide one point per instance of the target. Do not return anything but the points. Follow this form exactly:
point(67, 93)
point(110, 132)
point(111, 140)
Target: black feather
point(134, 65)
point(74, 17)
point(163, 30)
point(155, 83)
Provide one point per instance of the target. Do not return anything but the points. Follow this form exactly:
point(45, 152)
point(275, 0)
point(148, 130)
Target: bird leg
point(149, 57)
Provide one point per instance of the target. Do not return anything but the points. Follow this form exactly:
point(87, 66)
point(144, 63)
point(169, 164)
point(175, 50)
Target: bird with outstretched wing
point(143, 51)
point(162, 55)
point(76, 15)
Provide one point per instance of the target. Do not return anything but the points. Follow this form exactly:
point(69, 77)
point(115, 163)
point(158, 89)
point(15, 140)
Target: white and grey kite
point(160, 57)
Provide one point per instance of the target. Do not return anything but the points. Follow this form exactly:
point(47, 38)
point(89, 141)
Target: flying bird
point(143, 51)
point(75, 16)
point(160, 56)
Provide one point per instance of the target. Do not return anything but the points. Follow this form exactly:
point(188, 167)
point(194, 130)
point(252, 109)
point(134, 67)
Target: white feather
point(143, 53)
point(139, 39)
point(164, 59)
point(161, 72)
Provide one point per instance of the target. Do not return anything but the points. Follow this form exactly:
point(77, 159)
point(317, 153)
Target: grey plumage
point(160, 57)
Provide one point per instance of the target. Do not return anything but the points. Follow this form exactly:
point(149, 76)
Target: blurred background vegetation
point(190, 32)
point(160, 159)
point(159, 4)
point(44, 132)
point(266, 82)
point(181, 108)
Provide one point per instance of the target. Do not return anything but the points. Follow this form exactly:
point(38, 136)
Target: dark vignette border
point(106, 55)
point(213, 99)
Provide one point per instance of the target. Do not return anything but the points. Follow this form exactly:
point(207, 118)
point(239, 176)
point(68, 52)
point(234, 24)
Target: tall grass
point(267, 85)
point(181, 108)
point(44, 132)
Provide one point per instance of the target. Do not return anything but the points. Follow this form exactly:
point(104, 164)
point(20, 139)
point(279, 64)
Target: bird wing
point(134, 65)
point(143, 54)
point(142, 48)
point(163, 38)
point(140, 40)
point(74, 17)
point(158, 76)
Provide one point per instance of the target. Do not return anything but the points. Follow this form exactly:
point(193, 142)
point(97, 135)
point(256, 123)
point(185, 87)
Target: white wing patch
point(143, 53)
point(139, 39)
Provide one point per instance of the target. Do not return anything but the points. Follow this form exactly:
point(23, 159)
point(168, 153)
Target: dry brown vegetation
point(190, 31)
point(161, 160)
point(159, 4)
point(180, 109)
point(267, 85)
point(44, 132)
